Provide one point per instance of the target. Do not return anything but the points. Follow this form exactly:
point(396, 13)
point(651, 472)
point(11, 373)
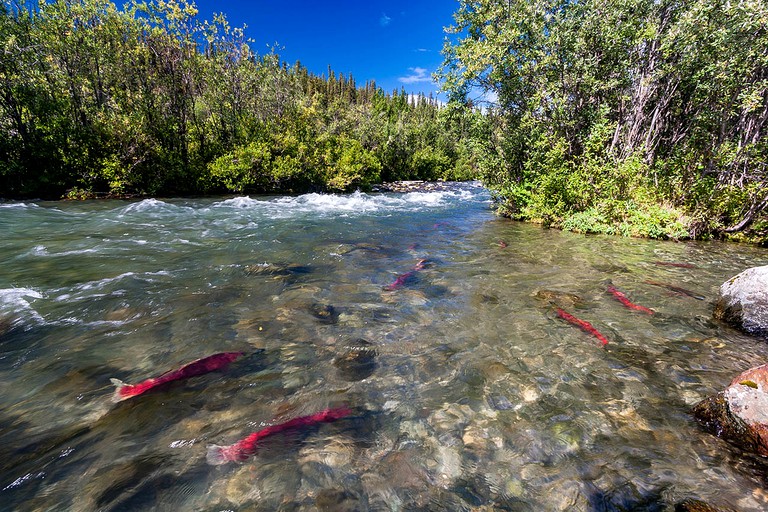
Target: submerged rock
point(357, 362)
point(325, 313)
point(500, 402)
point(561, 299)
point(336, 500)
point(277, 269)
point(739, 414)
point(743, 301)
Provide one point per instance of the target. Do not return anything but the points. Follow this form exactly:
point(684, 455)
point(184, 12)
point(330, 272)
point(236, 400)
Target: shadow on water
point(625, 498)
point(144, 483)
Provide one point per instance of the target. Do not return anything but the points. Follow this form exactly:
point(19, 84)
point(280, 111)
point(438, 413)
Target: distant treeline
point(95, 100)
point(640, 117)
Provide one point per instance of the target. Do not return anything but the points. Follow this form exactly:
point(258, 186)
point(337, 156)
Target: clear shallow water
point(480, 398)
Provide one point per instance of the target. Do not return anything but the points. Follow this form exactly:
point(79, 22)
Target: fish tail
point(217, 455)
point(599, 336)
point(118, 395)
point(643, 309)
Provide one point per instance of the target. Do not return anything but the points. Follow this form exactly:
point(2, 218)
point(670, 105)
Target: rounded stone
point(743, 301)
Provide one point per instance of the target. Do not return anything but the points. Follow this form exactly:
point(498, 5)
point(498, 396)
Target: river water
point(466, 388)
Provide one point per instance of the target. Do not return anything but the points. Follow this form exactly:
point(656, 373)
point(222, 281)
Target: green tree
point(640, 102)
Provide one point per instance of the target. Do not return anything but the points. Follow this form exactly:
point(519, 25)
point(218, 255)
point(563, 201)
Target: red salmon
point(248, 446)
point(582, 324)
point(625, 300)
point(403, 279)
point(199, 367)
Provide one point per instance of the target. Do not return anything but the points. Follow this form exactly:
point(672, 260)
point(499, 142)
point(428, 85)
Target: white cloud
point(384, 20)
point(418, 75)
point(421, 50)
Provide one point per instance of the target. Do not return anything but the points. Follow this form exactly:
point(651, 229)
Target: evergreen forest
point(632, 117)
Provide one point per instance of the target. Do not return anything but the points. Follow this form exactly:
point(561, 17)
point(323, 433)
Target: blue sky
point(395, 43)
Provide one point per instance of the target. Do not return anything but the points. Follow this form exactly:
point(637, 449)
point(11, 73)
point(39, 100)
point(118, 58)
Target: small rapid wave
point(15, 305)
point(42, 251)
point(150, 207)
point(355, 204)
point(111, 286)
point(18, 206)
point(332, 203)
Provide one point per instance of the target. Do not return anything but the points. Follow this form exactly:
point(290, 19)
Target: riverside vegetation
point(639, 117)
point(633, 117)
point(151, 100)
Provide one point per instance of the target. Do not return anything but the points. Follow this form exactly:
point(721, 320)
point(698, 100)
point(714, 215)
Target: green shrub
point(429, 164)
point(245, 168)
point(351, 166)
point(628, 218)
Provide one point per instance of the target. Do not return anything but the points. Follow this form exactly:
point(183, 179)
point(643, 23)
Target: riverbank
point(629, 220)
point(414, 186)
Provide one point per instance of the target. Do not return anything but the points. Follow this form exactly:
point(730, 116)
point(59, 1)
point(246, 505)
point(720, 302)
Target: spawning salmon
point(248, 446)
point(404, 279)
point(198, 367)
point(582, 324)
point(628, 303)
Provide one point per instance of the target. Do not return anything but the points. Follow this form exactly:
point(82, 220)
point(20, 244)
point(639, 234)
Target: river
point(432, 320)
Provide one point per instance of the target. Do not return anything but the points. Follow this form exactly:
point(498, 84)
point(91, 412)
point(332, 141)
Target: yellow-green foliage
point(246, 168)
point(351, 166)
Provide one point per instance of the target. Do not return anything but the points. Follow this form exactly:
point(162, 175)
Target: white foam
point(356, 202)
point(15, 301)
point(238, 202)
point(23, 479)
point(18, 206)
point(428, 198)
point(42, 251)
point(96, 323)
point(101, 283)
point(87, 289)
point(149, 206)
point(143, 206)
point(360, 203)
point(9, 295)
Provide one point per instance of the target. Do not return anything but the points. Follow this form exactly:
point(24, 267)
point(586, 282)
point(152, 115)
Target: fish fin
point(216, 455)
point(116, 397)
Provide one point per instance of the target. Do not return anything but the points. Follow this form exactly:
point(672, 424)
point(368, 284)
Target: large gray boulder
point(743, 301)
point(739, 414)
